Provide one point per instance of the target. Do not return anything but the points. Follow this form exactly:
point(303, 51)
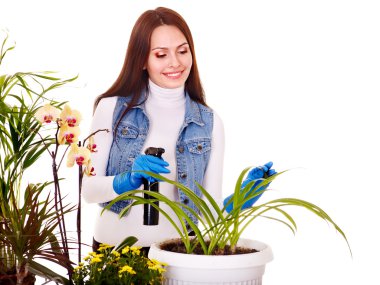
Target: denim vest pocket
point(199, 146)
point(126, 131)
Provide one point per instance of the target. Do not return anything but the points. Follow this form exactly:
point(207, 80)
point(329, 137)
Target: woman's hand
point(127, 181)
point(256, 174)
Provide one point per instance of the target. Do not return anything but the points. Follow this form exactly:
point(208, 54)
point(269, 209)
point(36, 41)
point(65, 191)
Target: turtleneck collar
point(164, 96)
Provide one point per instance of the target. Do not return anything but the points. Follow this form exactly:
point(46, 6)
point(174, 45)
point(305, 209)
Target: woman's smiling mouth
point(173, 75)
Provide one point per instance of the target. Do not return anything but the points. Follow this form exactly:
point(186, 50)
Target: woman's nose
point(174, 62)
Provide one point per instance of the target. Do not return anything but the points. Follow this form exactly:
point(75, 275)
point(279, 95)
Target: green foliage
point(29, 230)
point(21, 94)
point(216, 228)
point(26, 230)
point(124, 265)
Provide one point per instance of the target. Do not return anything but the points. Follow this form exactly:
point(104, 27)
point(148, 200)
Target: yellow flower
point(104, 246)
point(78, 155)
point(128, 269)
point(155, 261)
point(89, 169)
point(95, 260)
point(71, 117)
point(115, 253)
point(157, 267)
point(91, 144)
point(160, 269)
point(68, 134)
point(125, 250)
point(47, 114)
point(136, 249)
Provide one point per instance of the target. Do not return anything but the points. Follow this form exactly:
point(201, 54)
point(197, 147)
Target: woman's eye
point(183, 51)
point(160, 55)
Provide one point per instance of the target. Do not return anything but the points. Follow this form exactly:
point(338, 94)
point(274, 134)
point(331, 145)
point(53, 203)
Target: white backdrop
point(294, 81)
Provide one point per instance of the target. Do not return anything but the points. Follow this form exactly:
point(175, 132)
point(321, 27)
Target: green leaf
point(32, 156)
point(129, 241)
point(47, 273)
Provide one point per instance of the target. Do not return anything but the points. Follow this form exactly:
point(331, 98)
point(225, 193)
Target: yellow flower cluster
point(93, 257)
point(116, 254)
point(103, 247)
point(128, 269)
point(134, 249)
point(156, 265)
point(128, 264)
point(68, 124)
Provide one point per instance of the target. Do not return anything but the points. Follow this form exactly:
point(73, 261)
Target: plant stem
point(60, 214)
point(92, 134)
point(79, 217)
point(20, 272)
point(59, 165)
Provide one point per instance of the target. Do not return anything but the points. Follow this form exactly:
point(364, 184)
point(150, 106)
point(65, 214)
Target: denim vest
point(193, 146)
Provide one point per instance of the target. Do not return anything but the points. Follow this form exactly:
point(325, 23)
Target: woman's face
point(170, 58)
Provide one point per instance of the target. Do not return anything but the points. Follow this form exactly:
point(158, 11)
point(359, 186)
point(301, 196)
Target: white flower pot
point(191, 269)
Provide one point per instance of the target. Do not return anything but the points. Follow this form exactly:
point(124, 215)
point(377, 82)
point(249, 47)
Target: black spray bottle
point(151, 214)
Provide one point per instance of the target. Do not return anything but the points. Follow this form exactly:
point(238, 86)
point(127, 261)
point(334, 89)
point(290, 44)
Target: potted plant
point(28, 222)
point(215, 254)
point(27, 233)
point(124, 265)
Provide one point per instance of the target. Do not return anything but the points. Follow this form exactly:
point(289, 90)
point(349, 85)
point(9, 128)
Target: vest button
point(186, 201)
point(183, 175)
point(199, 147)
point(181, 149)
point(124, 131)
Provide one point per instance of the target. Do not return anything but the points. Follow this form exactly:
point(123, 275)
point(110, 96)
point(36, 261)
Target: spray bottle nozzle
point(155, 151)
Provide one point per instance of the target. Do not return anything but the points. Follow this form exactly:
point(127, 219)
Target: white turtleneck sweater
point(166, 112)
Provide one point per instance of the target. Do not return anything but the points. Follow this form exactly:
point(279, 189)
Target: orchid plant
point(30, 227)
point(79, 153)
point(27, 225)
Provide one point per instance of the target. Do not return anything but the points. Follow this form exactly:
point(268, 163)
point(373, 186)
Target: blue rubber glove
point(257, 174)
point(127, 181)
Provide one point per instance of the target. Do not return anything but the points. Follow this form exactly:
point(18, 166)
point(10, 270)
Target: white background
point(294, 81)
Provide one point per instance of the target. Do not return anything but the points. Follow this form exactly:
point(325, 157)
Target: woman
point(157, 101)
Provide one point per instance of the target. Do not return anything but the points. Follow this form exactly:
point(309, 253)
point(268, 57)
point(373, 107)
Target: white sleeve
point(213, 178)
point(99, 188)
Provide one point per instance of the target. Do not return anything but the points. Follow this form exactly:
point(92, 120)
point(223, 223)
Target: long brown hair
point(133, 78)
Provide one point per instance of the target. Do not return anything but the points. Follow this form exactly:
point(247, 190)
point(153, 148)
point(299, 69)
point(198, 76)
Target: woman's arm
point(98, 188)
point(214, 173)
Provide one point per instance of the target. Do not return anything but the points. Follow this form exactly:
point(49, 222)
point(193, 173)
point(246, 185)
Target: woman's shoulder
point(211, 111)
point(209, 114)
point(217, 117)
point(107, 103)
